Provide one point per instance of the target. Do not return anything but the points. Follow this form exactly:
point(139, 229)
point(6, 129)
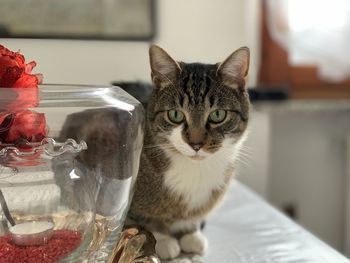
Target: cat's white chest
point(195, 181)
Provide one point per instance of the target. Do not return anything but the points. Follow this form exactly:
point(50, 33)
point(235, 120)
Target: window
point(305, 45)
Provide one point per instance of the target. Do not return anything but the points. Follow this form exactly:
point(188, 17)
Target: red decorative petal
point(18, 99)
point(6, 121)
point(10, 76)
point(5, 63)
point(27, 98)
point(14, 72)
point(26, 81)
point(18, 92)
point(29, 125)
point(40, 78)
point(30, 66)
point(18, 57)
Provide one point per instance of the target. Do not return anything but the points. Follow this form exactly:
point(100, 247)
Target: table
point(245, 228)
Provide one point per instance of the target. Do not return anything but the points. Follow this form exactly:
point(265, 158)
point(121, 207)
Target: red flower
point(15, 73)
point(25, 125)
point(18, 92)
point(16, 99)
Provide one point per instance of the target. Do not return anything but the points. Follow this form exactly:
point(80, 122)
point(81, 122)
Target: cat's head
point(198, 109)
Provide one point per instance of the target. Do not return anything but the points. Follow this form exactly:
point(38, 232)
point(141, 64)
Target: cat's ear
point(234, 70)
point(165, 70)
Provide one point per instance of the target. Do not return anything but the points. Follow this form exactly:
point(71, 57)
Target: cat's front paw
point(167, 247)
point(195, 242)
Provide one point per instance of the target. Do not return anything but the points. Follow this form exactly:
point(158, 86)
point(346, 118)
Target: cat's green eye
point(176, 116)
point(217, 116)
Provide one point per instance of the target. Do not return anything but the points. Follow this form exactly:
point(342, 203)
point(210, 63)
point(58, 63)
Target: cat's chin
point(197, 157)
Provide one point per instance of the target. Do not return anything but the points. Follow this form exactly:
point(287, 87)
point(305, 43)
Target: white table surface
point(247, 229)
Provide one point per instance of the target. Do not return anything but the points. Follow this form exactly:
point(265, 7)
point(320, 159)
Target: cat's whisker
point(247, 149)
point(238, 156)
point(246, 160)
point(160, 153)
point(243, 149)
point(160, 150)
point(246, 156)
point(166, 149)
point(242, 161)
point(243, 154)
point(182, 147)
point(156, 156)
point(158, 146)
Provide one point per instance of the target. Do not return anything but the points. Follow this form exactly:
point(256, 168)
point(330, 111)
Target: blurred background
point(297, 155)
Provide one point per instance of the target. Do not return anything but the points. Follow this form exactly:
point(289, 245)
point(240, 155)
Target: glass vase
point(65, 193)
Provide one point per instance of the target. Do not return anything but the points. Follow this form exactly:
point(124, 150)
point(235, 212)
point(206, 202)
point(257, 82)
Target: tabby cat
point(196, 119)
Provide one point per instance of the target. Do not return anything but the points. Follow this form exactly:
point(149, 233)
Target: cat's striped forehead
point(196, 84)
point(199, 88)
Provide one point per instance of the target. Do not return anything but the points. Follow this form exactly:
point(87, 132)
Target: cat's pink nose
point(196, 146)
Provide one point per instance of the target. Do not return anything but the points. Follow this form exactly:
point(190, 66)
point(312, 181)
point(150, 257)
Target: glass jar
point(65, 195)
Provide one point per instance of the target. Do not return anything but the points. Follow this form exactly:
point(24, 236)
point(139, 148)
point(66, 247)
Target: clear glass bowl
point(67, 193)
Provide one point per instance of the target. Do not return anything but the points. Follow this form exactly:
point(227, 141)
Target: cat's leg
point(167, 247)
point(191, 239)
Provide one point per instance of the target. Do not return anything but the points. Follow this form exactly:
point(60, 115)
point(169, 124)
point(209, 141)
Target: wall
point(300, 158)
point(191, 30)
point(308, 169)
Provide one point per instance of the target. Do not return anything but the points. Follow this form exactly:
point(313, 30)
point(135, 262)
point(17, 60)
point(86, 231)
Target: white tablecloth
point(247, 229)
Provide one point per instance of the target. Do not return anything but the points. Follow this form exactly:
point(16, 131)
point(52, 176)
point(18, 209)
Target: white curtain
point(314, 32)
